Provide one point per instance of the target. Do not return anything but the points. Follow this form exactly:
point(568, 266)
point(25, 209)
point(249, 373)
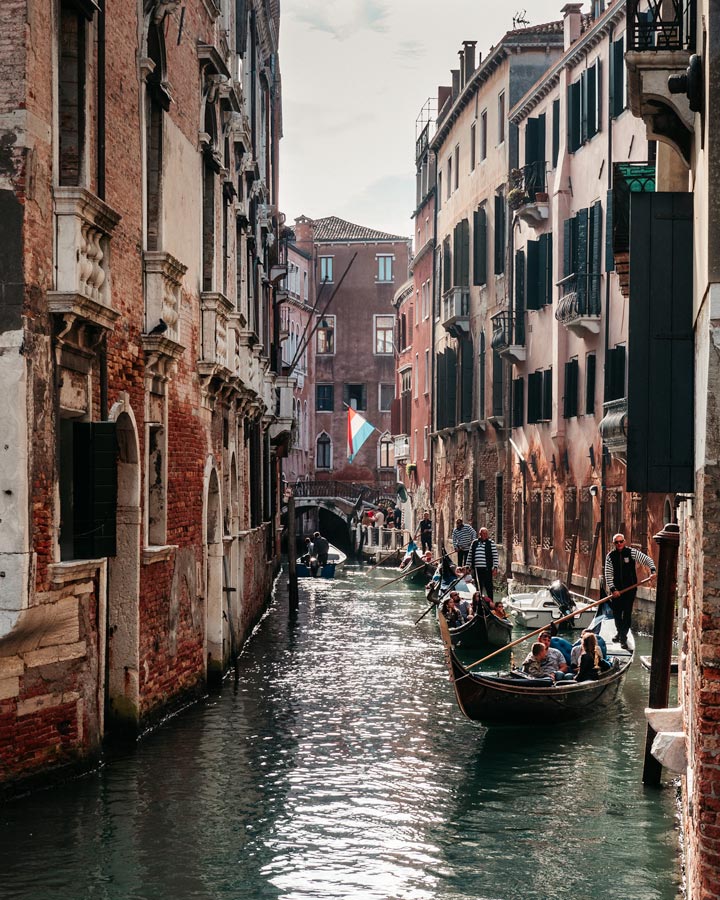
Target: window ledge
point(74, 570)
point(158, 553)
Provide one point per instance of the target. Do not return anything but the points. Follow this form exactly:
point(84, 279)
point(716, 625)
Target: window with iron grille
point(570, 517)
point(613, 512)
point(639, 521)
point(535, 518)
point(517, 517)
point(548, 518)
point(586, 520)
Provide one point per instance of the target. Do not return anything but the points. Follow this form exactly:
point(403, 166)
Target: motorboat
point(539, 605)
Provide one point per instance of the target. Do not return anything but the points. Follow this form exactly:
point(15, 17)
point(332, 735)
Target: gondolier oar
point(556, 622)
point(440, 598)
point(408, 572)
point(387, 556)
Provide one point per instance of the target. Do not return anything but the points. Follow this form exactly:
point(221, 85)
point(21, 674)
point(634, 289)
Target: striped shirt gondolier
point(638, 556)
point(462, 537)
point(479, 556)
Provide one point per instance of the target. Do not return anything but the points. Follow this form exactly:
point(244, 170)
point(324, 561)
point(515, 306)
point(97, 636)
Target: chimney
point(469, 53)
point(572, 21)
point(455, 82)
point(443, 93)
point(463, 77)
point(304, 228)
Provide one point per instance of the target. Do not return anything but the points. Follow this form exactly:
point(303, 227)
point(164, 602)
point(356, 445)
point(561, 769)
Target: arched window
point(386, 452)
point(324, 451)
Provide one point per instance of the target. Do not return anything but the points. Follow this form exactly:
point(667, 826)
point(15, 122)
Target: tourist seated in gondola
point(577, 650)
point(554, 661)
point(535, 661)
point(499, 609)
point(591, 663)
point(451, 612)
point(463, 605)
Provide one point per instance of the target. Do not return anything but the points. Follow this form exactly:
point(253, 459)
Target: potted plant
point(517, 197)
point(411, 469)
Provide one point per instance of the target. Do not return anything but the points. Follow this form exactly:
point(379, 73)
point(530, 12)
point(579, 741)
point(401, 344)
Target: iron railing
point(343, 489)
point(628, 179)
point(654, 25)
point(507, 331)
point(580, 299)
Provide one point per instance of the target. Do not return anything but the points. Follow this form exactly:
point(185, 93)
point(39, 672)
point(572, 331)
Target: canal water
point(340, 768)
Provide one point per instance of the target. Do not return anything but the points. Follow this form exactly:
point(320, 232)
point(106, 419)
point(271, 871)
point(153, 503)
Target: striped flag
point(358, 431)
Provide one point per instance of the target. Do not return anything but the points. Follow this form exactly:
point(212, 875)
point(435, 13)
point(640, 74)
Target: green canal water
point(340, 767)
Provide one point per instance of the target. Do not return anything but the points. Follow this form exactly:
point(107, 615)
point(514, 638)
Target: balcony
point(163, 289)
point(579, 307)
point(402, 448)
point(83, 224)
point(215, 309)
point(456, 311)
point(507, 339)
point(528, 193)
point(661, 44)
point(281, 429)
point(613, 428)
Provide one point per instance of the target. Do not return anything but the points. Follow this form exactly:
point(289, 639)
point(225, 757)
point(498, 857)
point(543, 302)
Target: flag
point(411, 546)
point(358, 431)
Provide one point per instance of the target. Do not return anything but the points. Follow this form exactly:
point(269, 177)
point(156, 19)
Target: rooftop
point(334, 229)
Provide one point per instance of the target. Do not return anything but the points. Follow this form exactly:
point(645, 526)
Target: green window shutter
point(534, 409)
point(451, 358)
point(499, 234)
point(481, 377)
point(518, 398)
point(555, 132)
point(457, 253)
point(520, 297)
point(466, 380)
point(447, 266)
point(534, 296)
point(480, 246)
point(547, 395)
point(590, 384)
point(540, 154)
point(441, 382)
point(497, 387)
point(573, 116)
point(571, 389)
point(596, 256)
point(592, 100)
point(617, 80)
point(546, 258)
point(609, 251)
point(465, 253)
point(581, 259)
point(95, 452)
point(531, 141)
point(615, 374)
point(567, 248)
point(583, 108)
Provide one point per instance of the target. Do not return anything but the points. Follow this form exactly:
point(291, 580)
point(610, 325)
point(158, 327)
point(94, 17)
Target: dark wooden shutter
point(571, 389)
point(661, 385)
point(481, 376)
point(447, 266)
point(596, 257)
point(467, 362)
point(518, 400)
point(534, 408)
point(580, 248)
point(609, 249)
point(592, 99)
point(535, 299)
point(520, 297)
point(451, 385)
point(546, 266)
point(546, 414)
point(573, 116)
point(531, 141)
point(540, 152)
point(95, 451)
point(555, 132)
point(240, 27)
point(499, 234)
point(617, 81)
point(590, 367)
point(480, 246)
point(441, 396)
point(497, 386)
point(567, 248)
point(464, 269)
point(615, 374)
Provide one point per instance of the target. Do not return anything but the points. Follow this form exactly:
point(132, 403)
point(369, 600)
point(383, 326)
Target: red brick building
point(357, 271)
point(138, 475)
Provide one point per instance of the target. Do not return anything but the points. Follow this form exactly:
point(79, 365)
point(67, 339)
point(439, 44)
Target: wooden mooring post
point(293, 598)
point(668, 541)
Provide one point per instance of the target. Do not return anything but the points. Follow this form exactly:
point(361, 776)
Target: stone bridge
point(341, 498)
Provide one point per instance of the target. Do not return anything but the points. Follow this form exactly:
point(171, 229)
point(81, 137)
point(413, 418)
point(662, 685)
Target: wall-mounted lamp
point(594, 490)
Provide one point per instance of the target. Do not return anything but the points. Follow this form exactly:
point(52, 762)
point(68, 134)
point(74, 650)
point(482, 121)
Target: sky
point(355, 75)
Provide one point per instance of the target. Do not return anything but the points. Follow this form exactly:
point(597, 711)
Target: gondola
point(418, 572)
point(336, 559)
point(483, 630)
point(515, 699)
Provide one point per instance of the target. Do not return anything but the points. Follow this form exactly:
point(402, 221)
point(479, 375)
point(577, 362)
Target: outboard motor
point(314, 566)
point(561, 595)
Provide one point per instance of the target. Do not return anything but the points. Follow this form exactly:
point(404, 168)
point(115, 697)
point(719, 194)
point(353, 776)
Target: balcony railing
point(579, 306)
point(613, 427)
point(628, 179)
point(661, 25)
point(508, 336)
point(456, 310)
point(402, 447)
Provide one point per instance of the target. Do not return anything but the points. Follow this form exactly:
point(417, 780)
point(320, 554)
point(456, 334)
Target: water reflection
point(340, 767)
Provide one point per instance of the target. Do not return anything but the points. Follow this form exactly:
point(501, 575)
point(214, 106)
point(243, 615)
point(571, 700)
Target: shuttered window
point(481, 377)
point(480, 246)
point(499, 234)
point(617, 87)
point(595, 260)
point(539, 290)
point(584, 107)
point(461, 254)
point(447, 266)
point(590, 366)
point(555, 132)
point(548, 519)
point(570, 516)
point(451, 370)
point(615, 374)
point(534, 400)
point(570, 399)
point(547, 396)
point(497, 387)
point(518, 401)
point(519, 297)
point(535, 518)
point(466, 380)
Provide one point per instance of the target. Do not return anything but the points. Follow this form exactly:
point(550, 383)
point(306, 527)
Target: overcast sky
point(355, 74)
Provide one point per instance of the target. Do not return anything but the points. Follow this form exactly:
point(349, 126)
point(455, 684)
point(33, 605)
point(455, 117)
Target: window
point(585, 531)
point(449, 176)
point(457, 168)
point(518, 509)
point(518, 401)
point(472, 146)
point(614, 516)
point(618, 78)
point(539, 272)
point(555, 132)
point(639, 521)
point(590, 384)
point(482, 362)
point(570, 399)
point(483, 135)
point(497, 385)
point(499, 234)
point(539, 397)
point(535, 518)
point(324, 397)
point(386, 454)
point(326, 268)
point(326, 335)
point(154, 140)
point(426, 442)
point(416, 375)
point(584, 107)
point(427, 372)
point(439, 191)
point(384, 330)
point(355, 396)
point(501, 117)
point(324, 451)
point(480, 246)
point(570, 517)
point(426, 300)
point(548, 518)
point(385, 268)
point(499, 517)
point(467, 365)
point(582, 256)
point(615, 374)
point(386, 397)
point(157, 484)
point(72, 74)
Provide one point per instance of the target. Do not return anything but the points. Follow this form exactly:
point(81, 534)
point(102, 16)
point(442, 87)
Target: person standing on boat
point(484, 561)
point(462, 537)
point(321, 548)
point(426, 531)
point(620, 573)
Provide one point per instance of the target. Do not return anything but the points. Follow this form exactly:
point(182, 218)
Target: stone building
point(357, 270)
point(673, 82)
point(474, 148)
point(565, 328)
point(140, 438)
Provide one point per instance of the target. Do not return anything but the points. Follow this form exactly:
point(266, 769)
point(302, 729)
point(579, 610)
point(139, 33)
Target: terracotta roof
point(556, 27)
point(334, 229)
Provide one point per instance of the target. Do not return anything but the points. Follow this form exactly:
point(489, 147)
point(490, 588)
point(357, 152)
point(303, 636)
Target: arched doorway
point(214, 631)
point(122, 683)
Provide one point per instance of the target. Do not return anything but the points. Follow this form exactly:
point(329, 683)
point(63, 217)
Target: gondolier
point(620, 573)
point(484, 561)
point(462, 537)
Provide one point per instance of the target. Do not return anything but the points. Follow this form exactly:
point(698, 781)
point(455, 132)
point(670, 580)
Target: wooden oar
point(555, 622)
point(407, 572)
point(440, 598)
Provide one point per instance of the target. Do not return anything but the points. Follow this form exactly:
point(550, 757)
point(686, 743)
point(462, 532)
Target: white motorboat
point(535, 607)
point(336, 557)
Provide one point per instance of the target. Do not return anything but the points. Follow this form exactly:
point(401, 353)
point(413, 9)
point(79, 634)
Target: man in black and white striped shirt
point(483, 561)
point(621, 575)
point(463, 535)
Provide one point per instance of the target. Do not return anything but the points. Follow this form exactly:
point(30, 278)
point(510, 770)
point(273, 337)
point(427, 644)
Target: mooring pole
point(668, 541)
point(293, 600)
